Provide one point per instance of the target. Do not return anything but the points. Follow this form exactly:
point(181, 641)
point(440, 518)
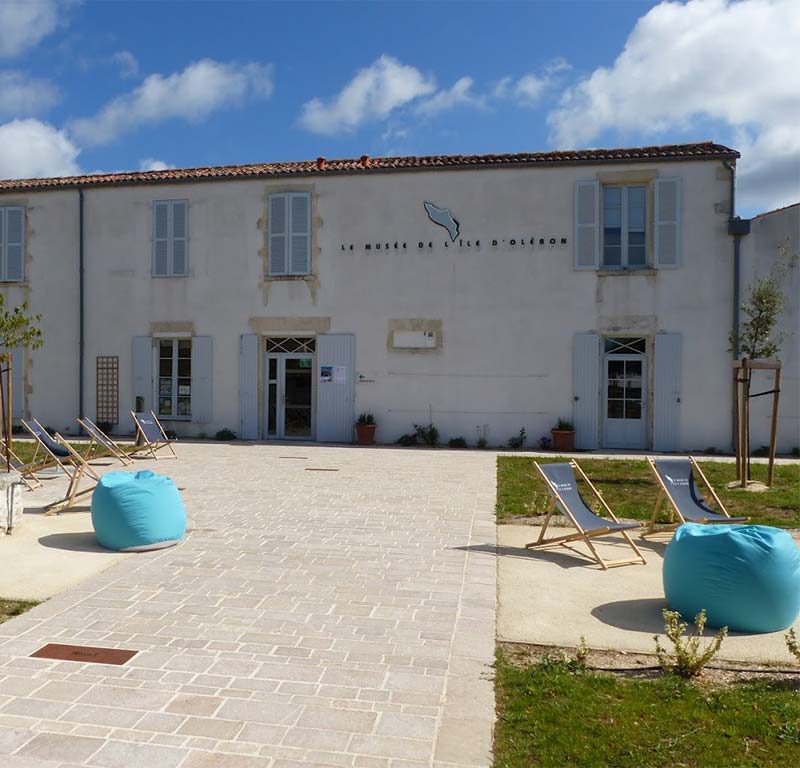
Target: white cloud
point(528, 90)
point(193, 94)
point(731, 63)
point(153, 164)
point(460, 94)
point(128, 63)
point(24, 23)
point(23, 95)
point(373, 93)
point(30, 148)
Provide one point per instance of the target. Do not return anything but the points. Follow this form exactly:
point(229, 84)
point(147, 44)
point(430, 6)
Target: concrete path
point(553, 596)
point(312, 618)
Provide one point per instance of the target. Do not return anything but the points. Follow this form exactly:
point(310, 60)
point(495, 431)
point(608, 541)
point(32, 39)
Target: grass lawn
point(630, 489)
point(11, 608)
point(26, 448)
point(552, 714)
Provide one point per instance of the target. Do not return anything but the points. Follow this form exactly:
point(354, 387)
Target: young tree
point(17, 329)
point(763, 305)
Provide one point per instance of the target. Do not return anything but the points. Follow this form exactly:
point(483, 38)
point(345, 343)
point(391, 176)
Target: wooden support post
point(737, 440)
point(773, 435)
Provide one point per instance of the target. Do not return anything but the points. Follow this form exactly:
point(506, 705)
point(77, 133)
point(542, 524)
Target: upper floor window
point(289, 234)
point(628, 226)
point(625, 226)
point(174, 377)
point(12, 244)
point(170, 238)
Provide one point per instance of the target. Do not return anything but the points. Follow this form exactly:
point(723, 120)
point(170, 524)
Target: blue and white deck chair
point(65, 456)
point(150, 435)
point(677, 478)
point(564, 495)
point(100, 439)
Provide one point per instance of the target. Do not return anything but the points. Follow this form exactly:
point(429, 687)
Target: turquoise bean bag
point(747, 577)
point(137, 511)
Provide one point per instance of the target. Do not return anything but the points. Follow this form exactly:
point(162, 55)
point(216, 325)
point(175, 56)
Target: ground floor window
point(175, 378)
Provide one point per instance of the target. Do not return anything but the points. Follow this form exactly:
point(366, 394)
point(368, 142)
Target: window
point(12, 244)
point(289, 234)
point(170, 238)
point(625, 227)
point(175, 378)
point(291, 344)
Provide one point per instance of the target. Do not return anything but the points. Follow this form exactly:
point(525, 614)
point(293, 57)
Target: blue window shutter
point(142, 371)
point(587, 224)
point(667, 221)
point(300, 243)
point(278, 234)
point(201, 379)
point(667, 392)
point(248, 386)
point(12, 243)
point(180, 237)
point(586, 388)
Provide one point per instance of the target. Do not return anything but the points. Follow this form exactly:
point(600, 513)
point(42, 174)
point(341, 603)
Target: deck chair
point(68, 459)
point(564, 494)
point(100, 440)
point(151, 434)
point(27, 470)
point(676, 478)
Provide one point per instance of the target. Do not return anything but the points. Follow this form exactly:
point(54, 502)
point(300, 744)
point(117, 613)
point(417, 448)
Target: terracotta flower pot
point(365, 434)
point(563, 440)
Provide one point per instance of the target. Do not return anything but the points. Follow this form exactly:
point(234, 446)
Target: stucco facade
point(503, 304)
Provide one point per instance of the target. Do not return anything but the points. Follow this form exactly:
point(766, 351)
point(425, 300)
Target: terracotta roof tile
point(324, 167)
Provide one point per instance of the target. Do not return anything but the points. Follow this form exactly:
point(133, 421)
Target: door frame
point(280, 393)
point(632, 356)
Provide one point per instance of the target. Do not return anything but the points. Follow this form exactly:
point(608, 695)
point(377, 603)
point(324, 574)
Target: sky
point(109, 86)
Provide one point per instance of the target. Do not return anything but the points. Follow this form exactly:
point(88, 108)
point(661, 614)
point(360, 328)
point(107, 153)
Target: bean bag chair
point(747, 577)
point(137, 511)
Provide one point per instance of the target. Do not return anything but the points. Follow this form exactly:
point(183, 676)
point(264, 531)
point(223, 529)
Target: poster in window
point(326, 374)
point(339, 374)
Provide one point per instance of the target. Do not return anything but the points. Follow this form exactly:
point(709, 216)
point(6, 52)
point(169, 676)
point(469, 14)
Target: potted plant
point(365, 429)
point(563, 435)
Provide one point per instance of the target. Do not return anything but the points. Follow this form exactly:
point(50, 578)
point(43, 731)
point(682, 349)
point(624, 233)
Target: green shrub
point(796, 451)
point(565, 425)
point(407, 439)
point(688, 660)
point(482, 442)
point(225, 434)
point(792, 644)
point(457, 442)
point(366, 418)
point(518, 441)
point(427, 435)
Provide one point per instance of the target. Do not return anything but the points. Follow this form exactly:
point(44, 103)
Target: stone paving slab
point(309, 619)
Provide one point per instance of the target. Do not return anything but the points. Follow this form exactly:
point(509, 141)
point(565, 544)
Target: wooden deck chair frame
point(581, 534)
point(27, 471)
point(147, 446)
point(74, 467)
point(107, 444)
point(665, 495)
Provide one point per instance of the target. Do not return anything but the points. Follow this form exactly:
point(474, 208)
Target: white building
point(482, 293)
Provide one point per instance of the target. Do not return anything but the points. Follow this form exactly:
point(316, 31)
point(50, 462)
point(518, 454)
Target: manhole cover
point(85, 653)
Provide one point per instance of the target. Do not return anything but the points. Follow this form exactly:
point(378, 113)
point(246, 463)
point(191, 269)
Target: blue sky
point(103, 86)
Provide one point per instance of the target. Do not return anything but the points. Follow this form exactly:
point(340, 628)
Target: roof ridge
point(692, 151)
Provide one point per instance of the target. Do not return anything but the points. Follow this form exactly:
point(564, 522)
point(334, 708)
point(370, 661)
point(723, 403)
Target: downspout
point(81, 332)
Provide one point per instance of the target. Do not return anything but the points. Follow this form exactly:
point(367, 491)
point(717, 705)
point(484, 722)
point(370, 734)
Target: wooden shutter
point(278, 234)
point(587, 224)
point(248, 386)
point(667, 222)
point(180, 237)
point(142, 366)
point(161, 239)
point(667, 392)
point(300, 218)
point(12, 243)
point(336, 399)
point(201, 379)
point(586, 388)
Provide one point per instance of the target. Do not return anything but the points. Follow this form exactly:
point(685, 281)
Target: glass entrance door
point(625, 399)
point(289, 395)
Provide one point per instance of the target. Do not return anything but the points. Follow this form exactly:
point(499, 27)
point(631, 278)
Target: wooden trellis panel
point(107, 389)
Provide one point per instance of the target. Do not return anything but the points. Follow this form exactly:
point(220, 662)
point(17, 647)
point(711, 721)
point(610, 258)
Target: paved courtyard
point(311, 618)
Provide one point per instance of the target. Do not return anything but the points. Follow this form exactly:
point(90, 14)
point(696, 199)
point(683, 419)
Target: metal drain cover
point(85, 653)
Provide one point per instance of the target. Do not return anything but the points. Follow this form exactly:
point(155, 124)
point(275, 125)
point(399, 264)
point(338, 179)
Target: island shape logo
point(444, 218)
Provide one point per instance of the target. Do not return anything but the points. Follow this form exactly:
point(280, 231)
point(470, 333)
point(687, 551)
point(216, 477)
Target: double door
point(289, 385)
